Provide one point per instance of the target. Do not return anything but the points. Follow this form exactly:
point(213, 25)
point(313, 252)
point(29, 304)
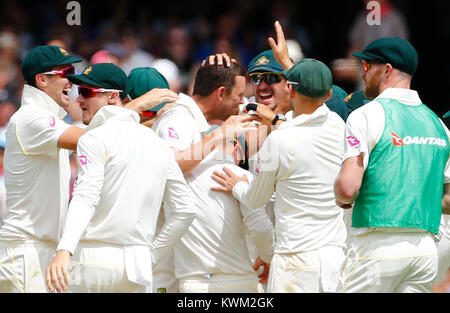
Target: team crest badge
point(87, 70)
point(64, 52)
point(262, 60)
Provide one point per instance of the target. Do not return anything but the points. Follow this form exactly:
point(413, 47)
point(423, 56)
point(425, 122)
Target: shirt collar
point(318, 116)
point(403, 95)
point(197, 114)
point(33, 95)
point(112, 112)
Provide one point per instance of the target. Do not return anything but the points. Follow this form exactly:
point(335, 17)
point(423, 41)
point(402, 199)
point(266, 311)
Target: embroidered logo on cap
point(87, 70)
point(262, 60)
point(64, 52)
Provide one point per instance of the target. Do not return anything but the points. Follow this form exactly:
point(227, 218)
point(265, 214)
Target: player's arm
point(151, 99)
point(234, 126)
point(177, 201)
point(69, 138)
point(348, 182)
point(446, 200)
point(91, 166)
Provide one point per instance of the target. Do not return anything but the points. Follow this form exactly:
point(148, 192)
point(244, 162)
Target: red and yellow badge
point(63, 52)
point(87, 70)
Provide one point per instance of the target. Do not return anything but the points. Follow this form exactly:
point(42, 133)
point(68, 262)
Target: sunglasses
point(89, 92)
point(148, 113)
point(269, 78)
point(367, 65)
point(63, 73)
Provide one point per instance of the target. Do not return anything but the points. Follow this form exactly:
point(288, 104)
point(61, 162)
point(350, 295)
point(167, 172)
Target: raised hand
point(279, 48)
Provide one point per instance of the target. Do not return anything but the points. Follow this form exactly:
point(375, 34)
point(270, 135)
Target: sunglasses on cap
point(89, 92)
point(63, 73)
point(269, 78)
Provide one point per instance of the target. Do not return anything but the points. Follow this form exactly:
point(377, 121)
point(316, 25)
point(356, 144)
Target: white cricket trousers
point(23, 265)
point(390, 262)
point(100, 268)
point(164, 280)
point(306, 272)
point(221, 283)
point(443, 248)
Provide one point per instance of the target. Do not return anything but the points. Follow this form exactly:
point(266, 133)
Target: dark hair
point(211, 77)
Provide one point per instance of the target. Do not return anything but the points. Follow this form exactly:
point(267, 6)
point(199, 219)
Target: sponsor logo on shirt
point(396, 140)
point(52, 121)
point(173, 133)
point(83, 160)
point(416, 140)
point(352, 141)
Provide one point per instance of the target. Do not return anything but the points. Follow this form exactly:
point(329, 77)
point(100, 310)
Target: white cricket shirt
point(37, 172)
point(125, 171)
point(300, 161)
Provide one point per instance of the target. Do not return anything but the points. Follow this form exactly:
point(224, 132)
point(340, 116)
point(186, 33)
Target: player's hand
point(266, 115)
point(151, 99)
point(149, 122)
point(279, 48)
point(220, 57)
point(227, 179)
point(234, 126)
point(56, 275)
point(264, 276)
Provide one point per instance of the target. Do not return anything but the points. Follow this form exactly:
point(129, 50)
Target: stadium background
point(326, 22)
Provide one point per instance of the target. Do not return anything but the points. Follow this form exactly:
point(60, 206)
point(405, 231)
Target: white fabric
point(23, 265)
point(215, 242)
point(443, 249)
point(119, 202)
point(183, 124)
point(300, 161)
point(389, 262)
point(99, 267)
point(37, 172)
point(221, 283)
point(138, 263)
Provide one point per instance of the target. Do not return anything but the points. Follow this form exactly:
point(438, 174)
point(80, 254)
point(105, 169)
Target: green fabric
point(313, 78)
point(264, 62)
point(43, 58)
point(355, 100)
point(394, 50)
point(336, 102)
point(403, 183)
point(144, 79)
point(103, 75)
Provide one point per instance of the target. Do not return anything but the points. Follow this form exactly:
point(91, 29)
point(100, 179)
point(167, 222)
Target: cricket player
point(395, 175)
point(125, 172)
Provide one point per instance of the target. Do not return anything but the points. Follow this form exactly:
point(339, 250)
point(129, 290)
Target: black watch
point(277, 117)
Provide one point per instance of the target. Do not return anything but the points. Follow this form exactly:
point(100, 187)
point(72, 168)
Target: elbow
point(345, 192)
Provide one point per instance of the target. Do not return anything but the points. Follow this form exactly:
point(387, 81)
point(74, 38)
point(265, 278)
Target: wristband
point(275, 119)
point(251, 106)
